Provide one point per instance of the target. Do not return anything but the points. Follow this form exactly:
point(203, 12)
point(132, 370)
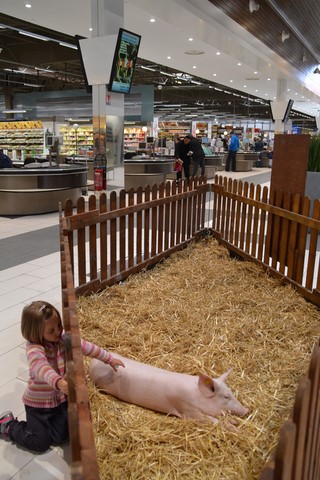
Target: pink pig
point(179, 394)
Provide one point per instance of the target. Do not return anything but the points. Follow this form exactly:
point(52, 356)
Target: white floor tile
point(47, 466)
point(13, 459)
point(13, 364)
point(11, 399)
point(10, 338)
point(15, 297)
point(10, 316)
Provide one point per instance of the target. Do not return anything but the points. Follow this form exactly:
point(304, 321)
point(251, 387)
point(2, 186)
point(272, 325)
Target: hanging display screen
point(124, 60)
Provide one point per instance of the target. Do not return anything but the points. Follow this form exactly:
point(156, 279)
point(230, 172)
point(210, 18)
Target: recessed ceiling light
point(152, 20)
point(244, 86)
point(218, 53)
point(168, 57)
point(214, 74)
point(239, 64)
point(268, 79)
point(28, 5)
point(190, 39)
point(256, 73)
point(231, 81)
point(90, 29)
point(194, 66)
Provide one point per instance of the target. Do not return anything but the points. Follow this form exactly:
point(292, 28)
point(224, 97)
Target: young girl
point(45, 397)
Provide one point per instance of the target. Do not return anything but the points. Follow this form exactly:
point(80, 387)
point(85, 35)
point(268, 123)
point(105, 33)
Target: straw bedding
point(199, 310)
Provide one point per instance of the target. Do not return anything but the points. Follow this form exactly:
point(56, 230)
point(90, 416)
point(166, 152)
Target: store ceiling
point(295, 58)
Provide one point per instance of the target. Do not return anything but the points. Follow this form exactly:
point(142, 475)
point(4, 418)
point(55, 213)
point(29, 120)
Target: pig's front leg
point(211, 419)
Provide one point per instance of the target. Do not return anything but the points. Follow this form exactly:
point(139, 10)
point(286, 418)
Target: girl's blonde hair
point(33, 319)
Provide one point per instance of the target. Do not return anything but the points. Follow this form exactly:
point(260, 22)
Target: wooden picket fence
point(109, 240)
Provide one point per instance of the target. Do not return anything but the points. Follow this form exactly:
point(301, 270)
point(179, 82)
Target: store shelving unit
point(17, 137)
point(132, 137)
point(168, 129)
point(201, 130)
point(77, 142)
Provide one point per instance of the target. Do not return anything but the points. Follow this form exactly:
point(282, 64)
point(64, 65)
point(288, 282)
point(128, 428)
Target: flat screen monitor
point(142, 145)
point(150, 139)
point(124, 60)
point(207, 151)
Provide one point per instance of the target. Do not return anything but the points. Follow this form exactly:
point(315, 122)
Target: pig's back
point(145, 385)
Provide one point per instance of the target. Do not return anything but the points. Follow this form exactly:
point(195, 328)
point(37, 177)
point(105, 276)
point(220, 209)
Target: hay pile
point(200, 311)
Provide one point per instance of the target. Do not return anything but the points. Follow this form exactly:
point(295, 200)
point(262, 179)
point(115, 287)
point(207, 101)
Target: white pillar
point(107, 16)
point(280, 106)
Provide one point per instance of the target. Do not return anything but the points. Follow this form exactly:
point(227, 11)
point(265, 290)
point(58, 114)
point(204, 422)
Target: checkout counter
point(142, 170)
point(39, 189)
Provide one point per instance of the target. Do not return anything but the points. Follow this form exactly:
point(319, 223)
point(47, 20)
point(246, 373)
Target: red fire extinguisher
point(100, 172)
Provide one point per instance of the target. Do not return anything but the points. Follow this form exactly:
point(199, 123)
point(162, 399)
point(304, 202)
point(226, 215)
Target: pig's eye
point(227, 397)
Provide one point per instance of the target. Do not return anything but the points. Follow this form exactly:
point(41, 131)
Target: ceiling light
point(190, 39)
point(34, 35)
point(28, 5)
point(218, 53)
point(152, 20)
point(45, 70)
point(14, 111)
point(31, 85)
point(169, 58)
point(253, 6)
point(239, 64)
point(69, 45)
point(148, 68)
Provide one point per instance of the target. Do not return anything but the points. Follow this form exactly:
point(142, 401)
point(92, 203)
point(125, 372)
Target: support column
point(279, 106)
point(107, 18)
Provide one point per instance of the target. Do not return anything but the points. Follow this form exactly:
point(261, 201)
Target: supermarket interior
point(204, 68)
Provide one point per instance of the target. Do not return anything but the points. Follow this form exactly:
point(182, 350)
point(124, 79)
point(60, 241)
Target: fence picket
point(93, 241)
point(81, 234)
point(103, 239)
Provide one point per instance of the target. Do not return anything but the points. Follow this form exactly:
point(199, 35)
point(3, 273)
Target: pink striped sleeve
point(91, 350)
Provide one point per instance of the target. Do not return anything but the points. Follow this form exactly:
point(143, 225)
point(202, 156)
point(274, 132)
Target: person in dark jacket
point(191, 147)
point(182, 153)
point(5, 161)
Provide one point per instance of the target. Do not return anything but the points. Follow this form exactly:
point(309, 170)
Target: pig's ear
point(206, 385)
point(225, 375)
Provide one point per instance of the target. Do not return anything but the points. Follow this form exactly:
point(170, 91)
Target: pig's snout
point(242, 411)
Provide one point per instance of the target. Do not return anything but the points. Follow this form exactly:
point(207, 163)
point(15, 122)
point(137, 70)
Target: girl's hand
point(62, 385)
point(115, 363)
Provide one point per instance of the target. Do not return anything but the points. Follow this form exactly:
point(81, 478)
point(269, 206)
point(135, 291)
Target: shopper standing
point(197, 153)
point(232, 152)
point(182, 152)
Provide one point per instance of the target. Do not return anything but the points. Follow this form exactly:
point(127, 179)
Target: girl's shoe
point(5, 419)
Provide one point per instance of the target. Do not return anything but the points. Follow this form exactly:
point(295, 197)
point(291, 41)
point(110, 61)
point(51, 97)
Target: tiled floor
point(29, 270)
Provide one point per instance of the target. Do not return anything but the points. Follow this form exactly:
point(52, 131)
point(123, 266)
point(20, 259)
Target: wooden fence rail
point(104, 244)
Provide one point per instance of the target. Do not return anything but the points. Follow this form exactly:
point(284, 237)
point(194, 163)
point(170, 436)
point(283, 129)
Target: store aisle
point(30, 270)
